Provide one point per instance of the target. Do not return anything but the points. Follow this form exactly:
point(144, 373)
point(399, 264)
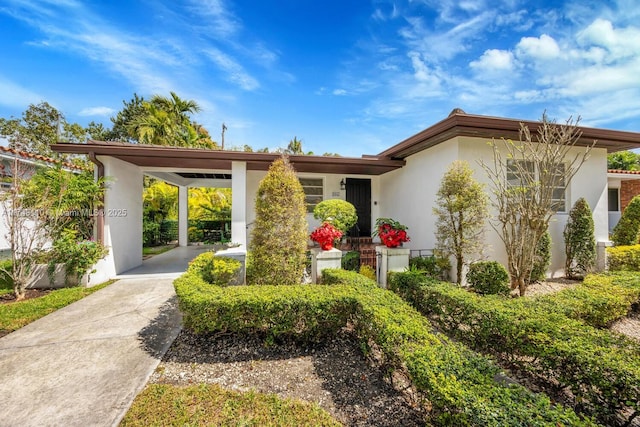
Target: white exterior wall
point(590, 182)
point(123, 215)
point(408, 194)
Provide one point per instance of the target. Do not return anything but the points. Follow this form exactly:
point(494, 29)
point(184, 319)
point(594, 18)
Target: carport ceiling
point(153, 156)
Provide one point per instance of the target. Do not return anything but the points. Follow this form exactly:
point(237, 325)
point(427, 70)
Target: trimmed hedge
point(623, 258)
point(601, 369)
point(458, 383)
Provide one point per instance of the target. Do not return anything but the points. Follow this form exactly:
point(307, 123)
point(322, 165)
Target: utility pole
point(224, 128)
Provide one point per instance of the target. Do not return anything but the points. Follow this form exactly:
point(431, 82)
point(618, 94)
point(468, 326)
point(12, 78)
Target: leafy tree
point(623, 160)
point(35, 131)
point(160, 201)
point(130, 112)
point(210, 203)
point(579, 240)
point(294, 147)
point(626, 230)
point(461, 212)
point(541, 163)
point(279, 238)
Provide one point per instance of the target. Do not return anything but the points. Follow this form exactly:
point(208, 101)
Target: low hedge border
point(623, 258)
point(601, 369)
point(458, 383)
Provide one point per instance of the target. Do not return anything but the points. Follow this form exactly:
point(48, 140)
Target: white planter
point(324, 259)
point(390, 259)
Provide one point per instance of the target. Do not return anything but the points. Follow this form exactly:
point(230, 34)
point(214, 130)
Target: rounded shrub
point(217, 270)
point(579, 240)
point(339, 213)
point(488, 278)
point(625, 233)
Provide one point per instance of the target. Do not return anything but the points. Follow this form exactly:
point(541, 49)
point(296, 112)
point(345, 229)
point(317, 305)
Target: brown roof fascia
point(162, 156)
point(495, 127)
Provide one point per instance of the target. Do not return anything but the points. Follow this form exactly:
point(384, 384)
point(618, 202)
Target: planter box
point(390, 259)
point(40, 278)
point(324, 259)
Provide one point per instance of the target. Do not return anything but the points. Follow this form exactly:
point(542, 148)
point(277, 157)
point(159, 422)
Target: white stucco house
point(400, 182)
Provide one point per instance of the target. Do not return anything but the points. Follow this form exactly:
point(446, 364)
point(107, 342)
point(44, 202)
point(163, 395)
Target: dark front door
point(359, 195)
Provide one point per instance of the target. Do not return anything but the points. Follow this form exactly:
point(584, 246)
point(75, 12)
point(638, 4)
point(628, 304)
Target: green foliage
point(339, 213)
point(579, 240)
point(216, 270)
point(351, 261)
point(626, 230)
point(279, 237)
point(541, 259)
point(368, 272)
point(6, 281)
point(623, 160)
point(600, 368)
point(436, 267)
point(623, 258)
point(461, 212)
point(458, 385)
point(488, 278)
point(76, 255)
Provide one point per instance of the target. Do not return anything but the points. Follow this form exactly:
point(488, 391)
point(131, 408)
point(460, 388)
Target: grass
point(156, 250)
point(210, 404)
point(15, 315)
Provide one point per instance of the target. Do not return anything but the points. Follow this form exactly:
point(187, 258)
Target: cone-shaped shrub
point(579, 240)
point(279, 238)
point(626, 231)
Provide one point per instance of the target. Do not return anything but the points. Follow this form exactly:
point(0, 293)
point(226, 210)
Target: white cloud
point(96, 111)
point(543, 47)
point(494, 60)
point(339, 92)
point(620, 43)
point(421, 72)
point(235, 72)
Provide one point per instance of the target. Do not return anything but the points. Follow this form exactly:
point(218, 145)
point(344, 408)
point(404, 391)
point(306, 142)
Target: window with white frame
point(313, 191)
point(523, 173)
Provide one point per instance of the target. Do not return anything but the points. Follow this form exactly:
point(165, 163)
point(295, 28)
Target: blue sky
point(352, 77)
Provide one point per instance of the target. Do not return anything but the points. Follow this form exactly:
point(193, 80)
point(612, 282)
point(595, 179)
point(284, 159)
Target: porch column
point(239, 203)
point(183, 216)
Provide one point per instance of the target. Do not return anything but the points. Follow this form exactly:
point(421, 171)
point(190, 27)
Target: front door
point(359, 195)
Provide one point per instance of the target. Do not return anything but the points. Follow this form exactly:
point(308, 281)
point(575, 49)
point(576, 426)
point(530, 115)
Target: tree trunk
point(459, 270)
point(522, 286)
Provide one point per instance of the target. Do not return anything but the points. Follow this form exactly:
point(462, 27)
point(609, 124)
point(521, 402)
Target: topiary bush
point(579, 240)
point(339, 213)
point(279, 237)
point(541, 259)
point(488, 278)
point(216, 270)
point(626, 230)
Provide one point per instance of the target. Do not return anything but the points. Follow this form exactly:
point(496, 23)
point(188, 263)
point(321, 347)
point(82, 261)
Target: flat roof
point(145, 155)
point(460, 123)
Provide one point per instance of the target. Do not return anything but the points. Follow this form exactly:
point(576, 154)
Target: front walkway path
point(84, 364)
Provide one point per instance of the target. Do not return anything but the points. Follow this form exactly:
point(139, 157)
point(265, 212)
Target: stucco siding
point(408, 194)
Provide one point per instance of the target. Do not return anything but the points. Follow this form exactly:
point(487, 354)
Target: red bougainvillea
point(391, 232)
point(325, 235)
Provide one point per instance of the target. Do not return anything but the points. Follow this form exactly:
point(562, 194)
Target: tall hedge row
point(601, 369)
point(458, 384)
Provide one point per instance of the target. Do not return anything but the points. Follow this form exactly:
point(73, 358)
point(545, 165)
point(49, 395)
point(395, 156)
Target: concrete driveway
point(84, 364)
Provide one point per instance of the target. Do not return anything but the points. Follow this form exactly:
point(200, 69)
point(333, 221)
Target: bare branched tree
point(529, 179)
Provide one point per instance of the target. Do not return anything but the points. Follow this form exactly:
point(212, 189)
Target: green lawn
point(209, 404)
point(156, 250)
point(17, 314)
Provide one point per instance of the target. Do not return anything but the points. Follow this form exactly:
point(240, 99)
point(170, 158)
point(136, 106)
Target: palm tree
point(294, 147)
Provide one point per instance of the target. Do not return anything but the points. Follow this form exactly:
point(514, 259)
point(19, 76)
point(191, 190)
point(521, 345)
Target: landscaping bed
point(453, 385)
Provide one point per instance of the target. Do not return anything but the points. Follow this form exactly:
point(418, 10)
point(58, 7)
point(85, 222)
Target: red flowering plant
point(325, 235)
point(391, 232)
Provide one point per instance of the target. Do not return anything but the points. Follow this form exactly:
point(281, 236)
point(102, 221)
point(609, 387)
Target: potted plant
point(392, 234)
point(325, 235)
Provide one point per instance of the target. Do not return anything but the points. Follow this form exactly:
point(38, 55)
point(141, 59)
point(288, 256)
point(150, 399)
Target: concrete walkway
point(84, 364)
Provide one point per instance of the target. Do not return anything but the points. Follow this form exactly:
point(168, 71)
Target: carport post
point(239, 203)
point(183, 213)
